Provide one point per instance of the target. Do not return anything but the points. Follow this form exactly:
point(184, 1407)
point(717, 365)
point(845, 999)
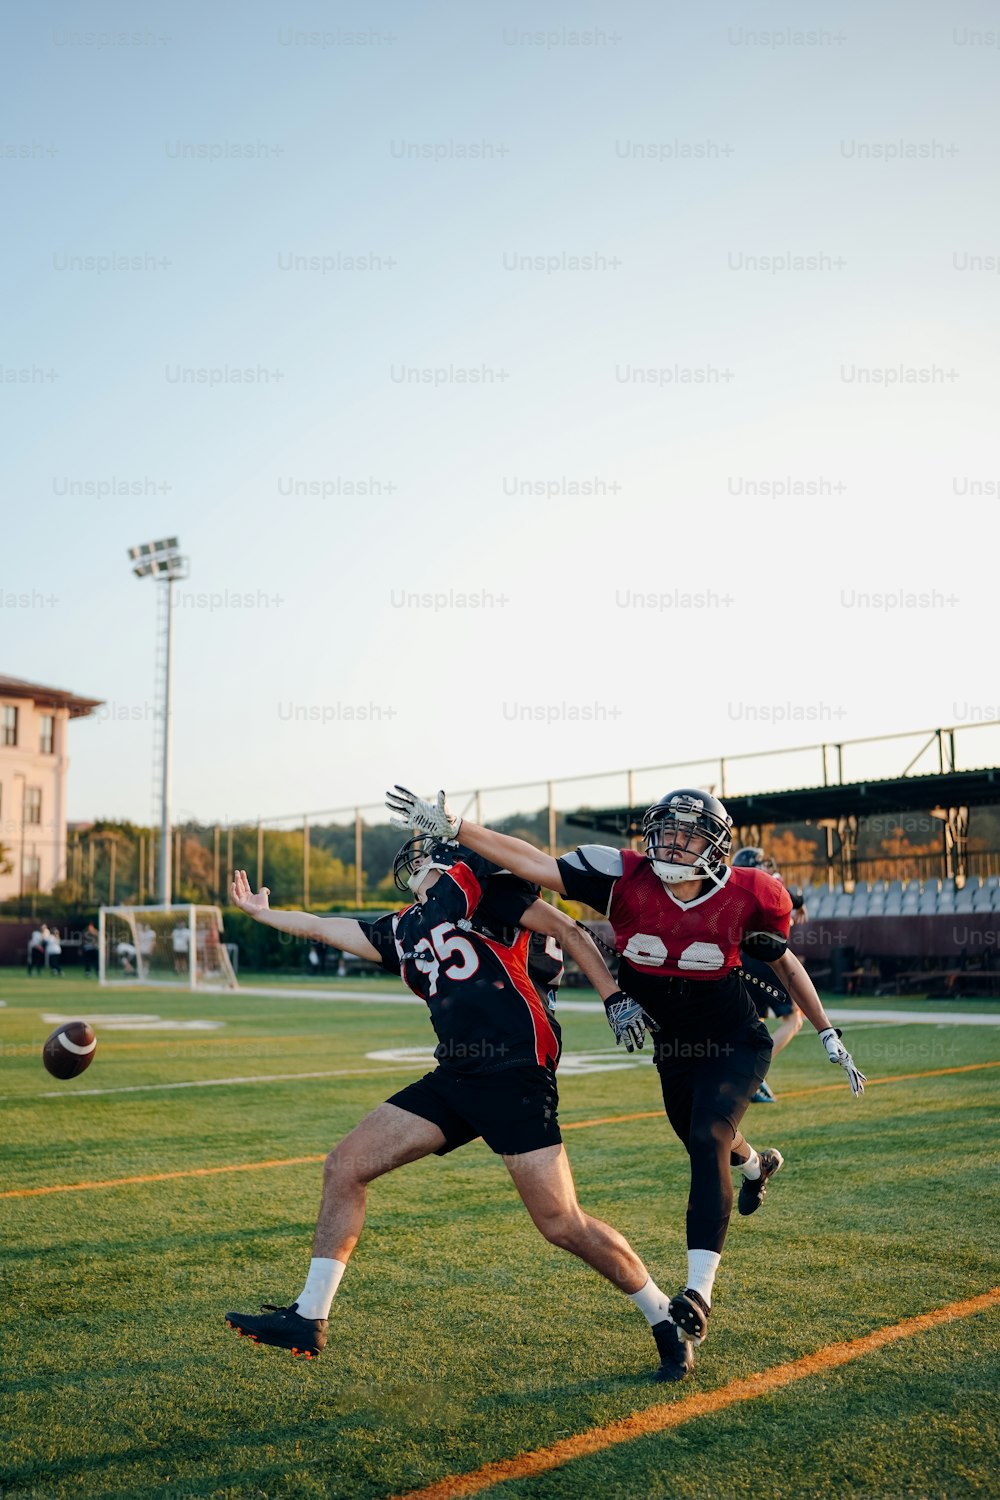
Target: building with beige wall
point(34, 761)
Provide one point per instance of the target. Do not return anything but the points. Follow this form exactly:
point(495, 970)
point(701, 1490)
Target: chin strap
point(418, 877)
point(681, 873)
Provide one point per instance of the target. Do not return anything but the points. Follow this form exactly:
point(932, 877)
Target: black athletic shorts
point(514, 1110)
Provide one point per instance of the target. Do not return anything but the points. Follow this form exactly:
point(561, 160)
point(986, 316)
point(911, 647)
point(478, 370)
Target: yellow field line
point(661, 1418)
point(295, 1161)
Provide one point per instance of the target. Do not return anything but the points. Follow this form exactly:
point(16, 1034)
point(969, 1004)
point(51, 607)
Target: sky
point(536, 390)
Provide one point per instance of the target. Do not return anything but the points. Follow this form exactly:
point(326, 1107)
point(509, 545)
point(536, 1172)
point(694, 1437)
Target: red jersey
point(663, 941)
point(692, 939)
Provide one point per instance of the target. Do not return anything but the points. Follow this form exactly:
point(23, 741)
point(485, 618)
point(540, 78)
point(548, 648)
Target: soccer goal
point(173, 945)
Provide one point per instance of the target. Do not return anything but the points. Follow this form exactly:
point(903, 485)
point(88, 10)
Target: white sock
point(321, 1287)
point(651, 1302)
point(751, 1167)
point(702, 1266)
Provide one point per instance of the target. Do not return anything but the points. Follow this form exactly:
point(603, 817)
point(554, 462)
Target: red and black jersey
point(487, 1012)
point(662, 940)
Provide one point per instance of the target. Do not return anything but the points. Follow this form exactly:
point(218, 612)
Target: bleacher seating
point(903, 898)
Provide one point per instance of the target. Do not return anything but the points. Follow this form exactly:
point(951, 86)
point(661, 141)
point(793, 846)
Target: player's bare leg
point(544, 1180)
point(790, 1027)
point(386, 1139)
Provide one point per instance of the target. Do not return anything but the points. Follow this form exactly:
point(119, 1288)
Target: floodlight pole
point(162, 561)
point(166, 870)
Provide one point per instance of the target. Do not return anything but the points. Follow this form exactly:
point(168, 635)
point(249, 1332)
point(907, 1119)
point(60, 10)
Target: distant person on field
point(36, 949)
point(90, 948)
point(53, 952)
point(181, 939)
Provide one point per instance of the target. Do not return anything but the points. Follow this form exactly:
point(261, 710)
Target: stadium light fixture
point(163, 561)
point(158, 559)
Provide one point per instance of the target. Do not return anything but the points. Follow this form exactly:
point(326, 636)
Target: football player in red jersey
point(680, 915)
point(463, 946)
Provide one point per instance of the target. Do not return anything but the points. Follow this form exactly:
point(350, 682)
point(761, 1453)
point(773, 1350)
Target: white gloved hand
point(413, 814)
point(838, 1053)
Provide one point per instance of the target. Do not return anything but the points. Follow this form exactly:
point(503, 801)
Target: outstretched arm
point(415, 815)
point(515, 855)
point(575, 943)
point(339, 932)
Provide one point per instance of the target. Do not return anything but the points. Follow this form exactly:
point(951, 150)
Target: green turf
point(459, 1335)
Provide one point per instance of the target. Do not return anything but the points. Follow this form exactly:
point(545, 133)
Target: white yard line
point(594, 1007)
point(208, 1083)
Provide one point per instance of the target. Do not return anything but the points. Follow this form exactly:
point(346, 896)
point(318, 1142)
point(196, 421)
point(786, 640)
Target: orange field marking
point(822, 1088)
point(661, 1418)
point(83, 1187)
point(296, 1161)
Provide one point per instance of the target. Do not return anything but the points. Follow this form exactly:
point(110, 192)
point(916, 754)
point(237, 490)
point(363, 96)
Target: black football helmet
point(671, 825)
point(753, 858)
point(420, 854)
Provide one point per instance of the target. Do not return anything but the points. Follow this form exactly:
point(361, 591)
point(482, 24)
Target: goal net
point(176, 945)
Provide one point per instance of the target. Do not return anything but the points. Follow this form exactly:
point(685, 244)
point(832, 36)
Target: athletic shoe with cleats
point(752, 1191)
point(676, 1353)
point(282, 1327)
point(689, 1311)
point(763, 1095)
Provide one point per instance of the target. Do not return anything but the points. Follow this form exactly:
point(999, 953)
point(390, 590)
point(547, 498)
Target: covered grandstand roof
point(815, 803)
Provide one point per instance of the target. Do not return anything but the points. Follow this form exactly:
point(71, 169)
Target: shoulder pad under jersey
point(596, 859)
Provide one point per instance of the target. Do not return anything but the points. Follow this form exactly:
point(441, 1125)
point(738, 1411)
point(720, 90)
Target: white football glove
point(415, 815)
point(628, 1021)
point(838, 1053)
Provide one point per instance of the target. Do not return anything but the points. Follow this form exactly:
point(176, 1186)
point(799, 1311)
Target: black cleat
point(676, 1352)
point(689, 1311)
point(282, 1327)
point(752, 1192)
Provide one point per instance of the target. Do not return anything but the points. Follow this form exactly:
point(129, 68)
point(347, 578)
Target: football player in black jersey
point(768, 993)
point(680, 916)
point(464, 947)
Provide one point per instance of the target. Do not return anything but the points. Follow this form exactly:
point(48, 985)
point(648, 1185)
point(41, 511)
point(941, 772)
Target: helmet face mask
point(416, 859)
point(688, 835)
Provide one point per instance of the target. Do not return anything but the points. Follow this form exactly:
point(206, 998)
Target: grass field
point(460, 1337)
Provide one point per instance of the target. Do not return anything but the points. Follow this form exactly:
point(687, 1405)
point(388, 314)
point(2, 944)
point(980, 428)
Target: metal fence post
point(358, 856)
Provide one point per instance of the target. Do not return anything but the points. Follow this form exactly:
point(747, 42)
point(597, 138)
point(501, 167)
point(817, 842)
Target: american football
point(69, 1050)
